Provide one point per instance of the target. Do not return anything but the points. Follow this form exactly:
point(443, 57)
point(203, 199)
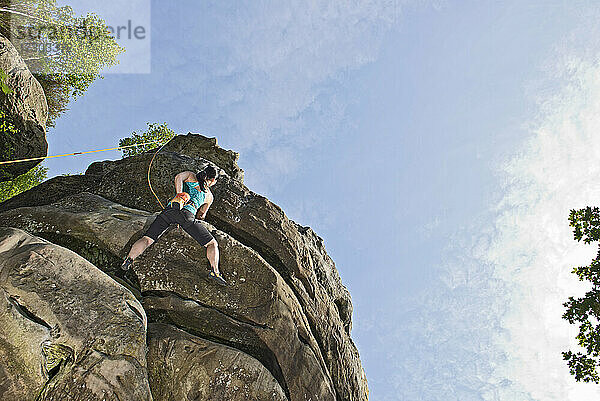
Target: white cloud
point(285, 58)
point(489, 326)
point(557, 170)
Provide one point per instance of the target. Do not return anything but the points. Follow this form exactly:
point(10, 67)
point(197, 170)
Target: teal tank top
point(196, 196)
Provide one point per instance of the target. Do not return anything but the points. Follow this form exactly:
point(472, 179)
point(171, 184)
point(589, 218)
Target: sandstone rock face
point(67, 330)
point(258, 314)
point(25, 111)
point(185, 367)
point(198, 146)
point(286, 312)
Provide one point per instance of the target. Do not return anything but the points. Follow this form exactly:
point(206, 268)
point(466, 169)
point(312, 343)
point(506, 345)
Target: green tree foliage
point(3, 84)
point(22, 183)
point(69, 52)
point(57, 93)
point(6, 125)
point(585, 311)
point(155, 132)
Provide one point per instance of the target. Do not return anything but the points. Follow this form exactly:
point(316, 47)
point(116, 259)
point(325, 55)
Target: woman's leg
point(136, 250)
point(158, 226)
point(197, 231)
point(212, 253)
point(140, 246)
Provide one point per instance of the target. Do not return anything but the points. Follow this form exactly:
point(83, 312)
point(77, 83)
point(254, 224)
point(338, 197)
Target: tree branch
point(8, 10)
point(40, 58)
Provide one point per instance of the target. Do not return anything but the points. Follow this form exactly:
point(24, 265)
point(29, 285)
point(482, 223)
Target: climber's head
point(207, 177)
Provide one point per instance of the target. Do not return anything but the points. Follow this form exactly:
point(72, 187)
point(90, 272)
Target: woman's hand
point(208, 201)
point(202, 211)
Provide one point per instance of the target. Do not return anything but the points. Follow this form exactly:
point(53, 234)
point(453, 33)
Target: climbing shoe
point(217, 278)
point(126, 263)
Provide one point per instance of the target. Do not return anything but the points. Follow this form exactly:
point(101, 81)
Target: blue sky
point(436, 146)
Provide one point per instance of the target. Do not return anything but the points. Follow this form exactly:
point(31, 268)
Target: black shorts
point(185, 219)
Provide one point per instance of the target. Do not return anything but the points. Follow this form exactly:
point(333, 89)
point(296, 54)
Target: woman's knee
point(147, 240)
point(212, 244)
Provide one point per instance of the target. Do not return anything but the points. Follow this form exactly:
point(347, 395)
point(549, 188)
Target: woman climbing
point(193, 196)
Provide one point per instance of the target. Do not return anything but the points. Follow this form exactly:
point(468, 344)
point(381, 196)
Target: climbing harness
point(181, 199)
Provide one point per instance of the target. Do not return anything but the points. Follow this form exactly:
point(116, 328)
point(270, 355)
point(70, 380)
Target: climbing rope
point(100, 150)
point(76, 153)
point(150, 165)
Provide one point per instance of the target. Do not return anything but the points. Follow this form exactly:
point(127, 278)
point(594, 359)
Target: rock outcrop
point(66, 327)
point(187, 367)
point(281, 330)
point(23, 115)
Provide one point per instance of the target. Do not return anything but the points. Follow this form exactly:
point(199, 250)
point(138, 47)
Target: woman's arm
point(180, 178)
point(204, 207)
